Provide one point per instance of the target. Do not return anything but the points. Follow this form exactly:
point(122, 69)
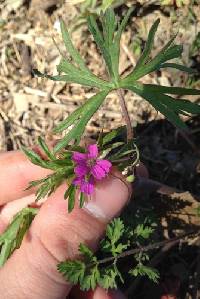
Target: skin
point(54, 235)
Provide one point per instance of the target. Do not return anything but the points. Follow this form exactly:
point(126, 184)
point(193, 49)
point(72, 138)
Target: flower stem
point(148, 247)
point(130, 135)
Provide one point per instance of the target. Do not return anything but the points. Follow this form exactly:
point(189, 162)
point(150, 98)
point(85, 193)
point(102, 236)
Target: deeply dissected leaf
point(115, 230)
point(50, 183)
point(73, 271)
point(109, 41)
point(143, 231)
point(71, 49)
point(115, 49)
point(143, 270)
point(88, 254)
point(98, 37)
point(149, 45)
point(108, 278)
point(168, 52)
point(164, 104)
point(78, 77)
point(86, 113)
point(87, 79)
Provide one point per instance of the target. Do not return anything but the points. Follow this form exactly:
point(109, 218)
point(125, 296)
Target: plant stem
point(130, 135)
point(147, 248)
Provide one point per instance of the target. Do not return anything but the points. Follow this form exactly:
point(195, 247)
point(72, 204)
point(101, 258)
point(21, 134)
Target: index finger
point(16, 171)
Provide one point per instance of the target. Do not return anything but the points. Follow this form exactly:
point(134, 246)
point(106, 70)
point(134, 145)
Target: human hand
point(30, 273)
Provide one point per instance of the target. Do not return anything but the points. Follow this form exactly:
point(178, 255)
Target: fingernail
point(109, 198)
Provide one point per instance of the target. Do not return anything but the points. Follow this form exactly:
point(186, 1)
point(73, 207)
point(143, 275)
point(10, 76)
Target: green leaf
point(115, 230)
point(12, 237)
point(180, 105)
point(82, 199)
point(71, 198)
point(108, 278)
point(90, 281)
point(98, 37)
point(149, 45)
point(76, 272)
point(88, 254)
point(143, 231)
point(168, 52)
point(45, 148)
point(34, 158)
point(68, 191)
point(73, 271)
point(142, 270)
point(155, 100)
point(50, 183)
point(179, 67)
point(63, 125)
point(88, 79)
point(87, 112)
point(74, 76)
point(115, 49)
point(168, 89)
point(71, 49)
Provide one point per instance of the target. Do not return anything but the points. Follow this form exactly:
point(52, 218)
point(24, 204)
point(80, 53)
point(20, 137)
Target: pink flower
point(89, 167)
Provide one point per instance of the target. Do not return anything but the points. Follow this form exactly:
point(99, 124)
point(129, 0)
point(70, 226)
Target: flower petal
point(98, 172)
point(92, 151)
point(105, 164)
point(87, 187)
point(79, 157)
point(81, 170)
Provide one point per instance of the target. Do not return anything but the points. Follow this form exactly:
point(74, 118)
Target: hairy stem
point(148, 247)
point(125, 115)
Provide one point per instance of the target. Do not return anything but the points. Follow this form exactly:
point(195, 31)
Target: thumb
point(54, 236)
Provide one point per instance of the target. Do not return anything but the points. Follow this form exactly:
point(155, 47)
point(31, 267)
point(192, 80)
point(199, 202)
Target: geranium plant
point(81, 166)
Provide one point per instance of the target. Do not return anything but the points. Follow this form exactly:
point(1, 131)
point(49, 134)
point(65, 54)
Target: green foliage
point(107, 41)
point(62, 167)
point(107, 36)
point(114, 232)
point(85, 272)
point(12, 237)
point(142, 270)
point(73, 271)
point(91, 271)
point(80, 118)
point(143, 231)
point(70, 195)
point(109, 276)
